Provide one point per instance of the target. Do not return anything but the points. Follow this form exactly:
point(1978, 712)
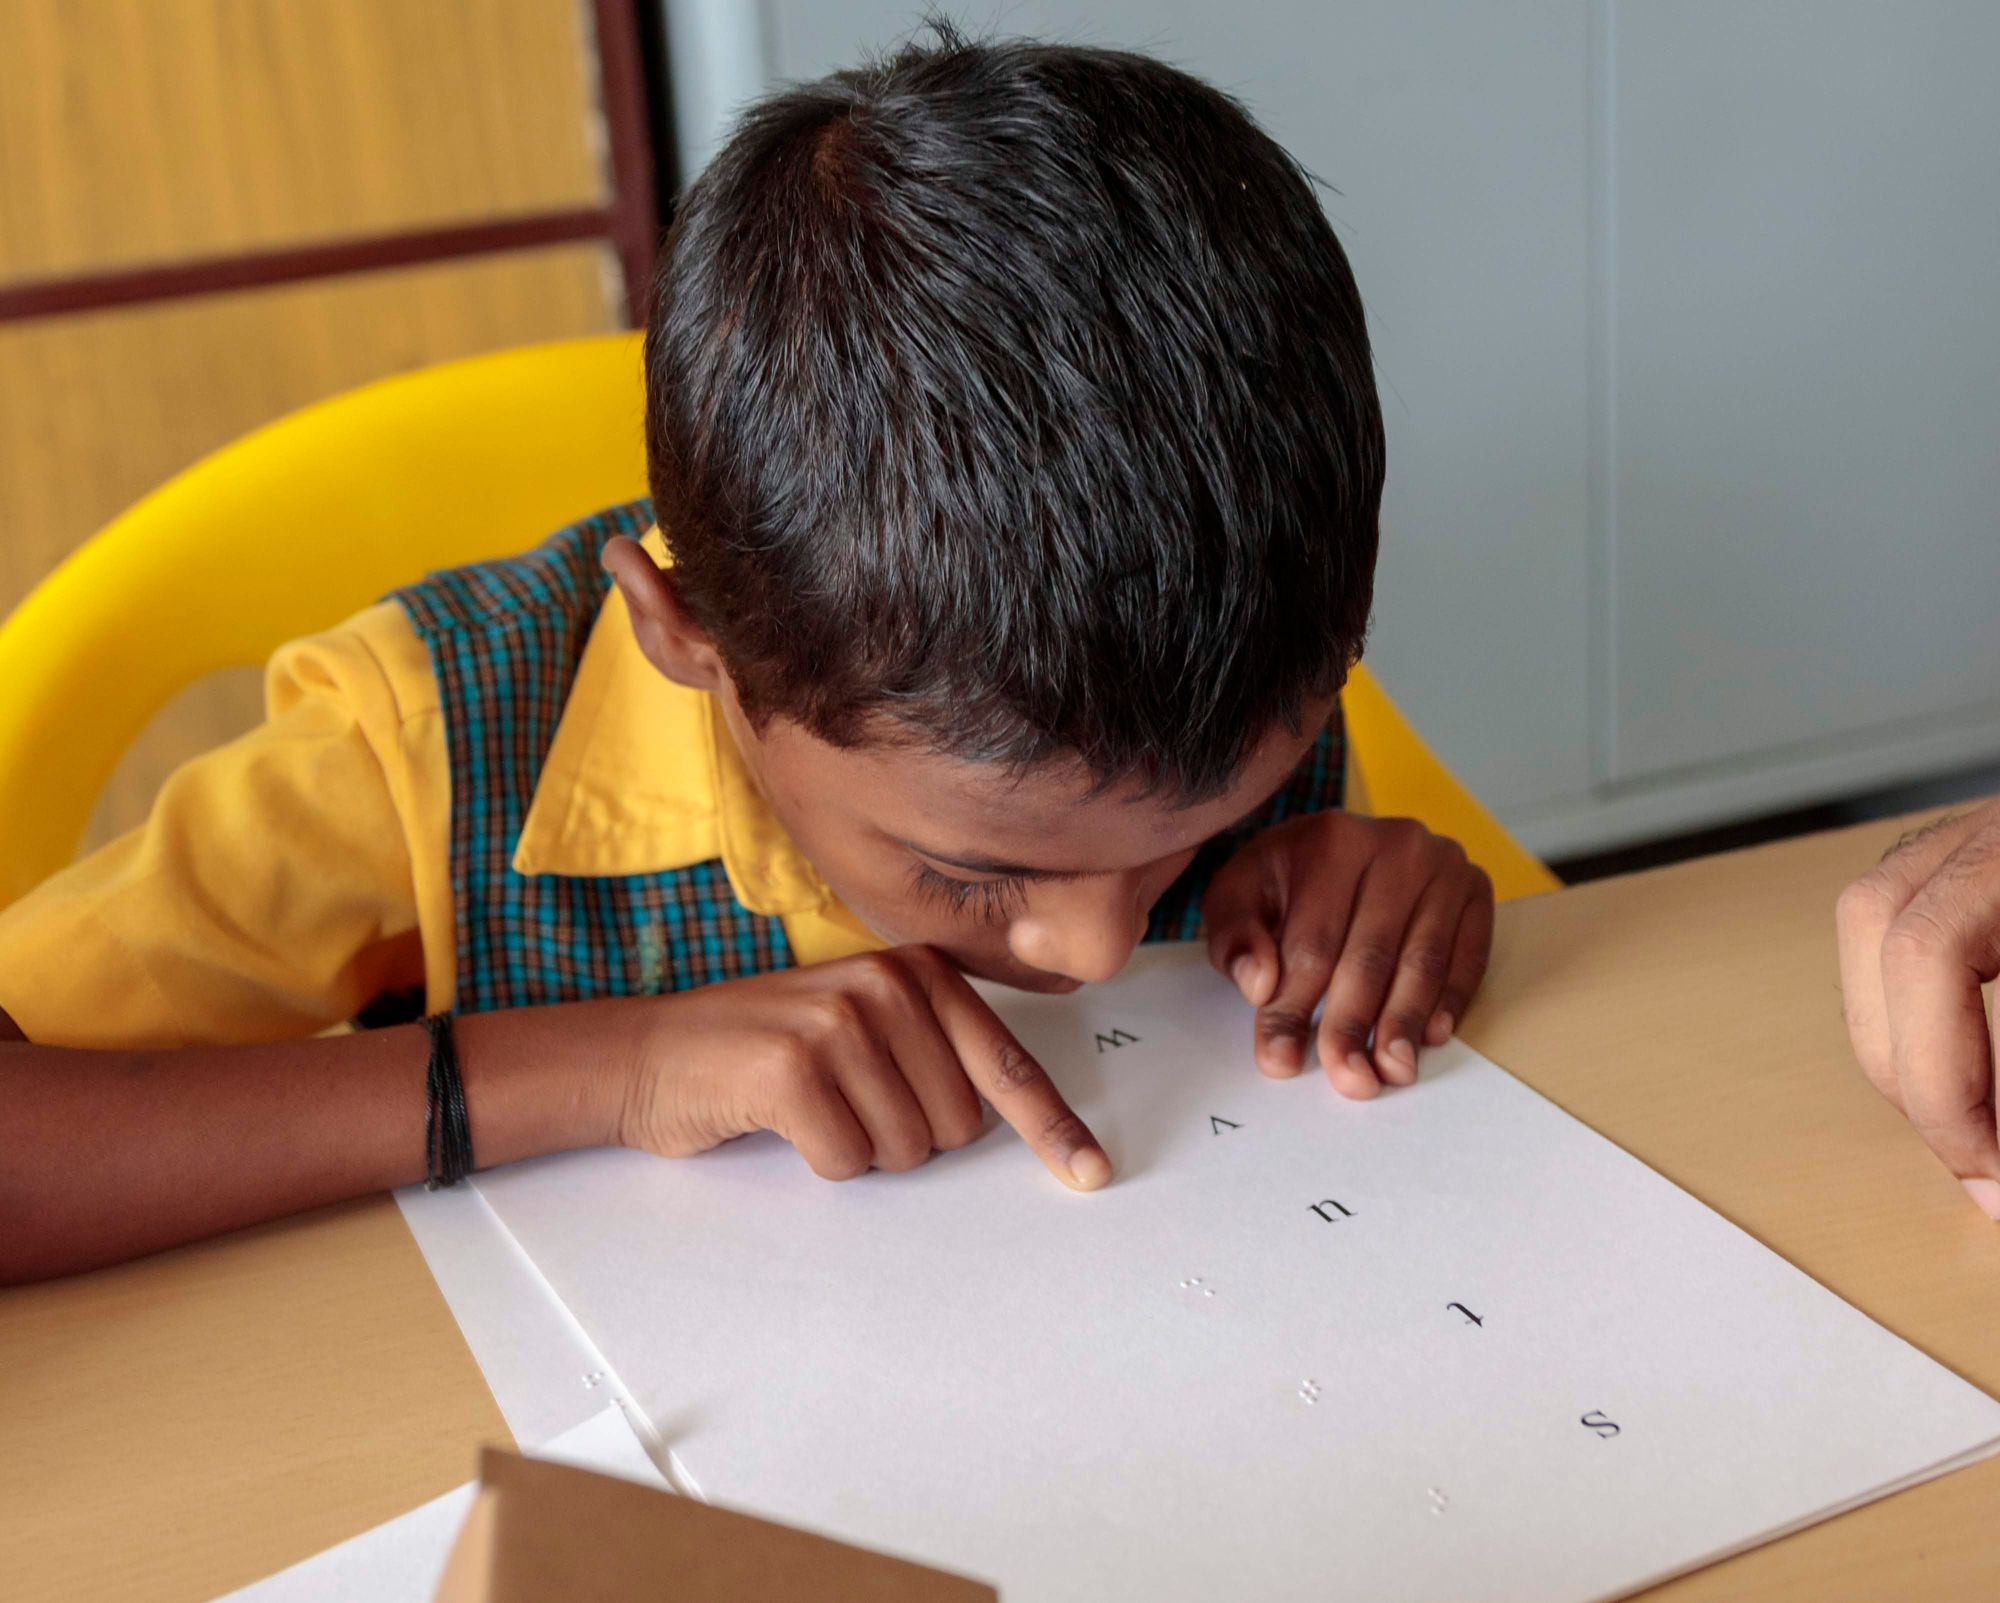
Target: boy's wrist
point(628, 1079)
point(548, 1079)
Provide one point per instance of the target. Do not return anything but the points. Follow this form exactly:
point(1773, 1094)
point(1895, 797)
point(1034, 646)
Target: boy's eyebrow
point(999, 870)
point(987, 865)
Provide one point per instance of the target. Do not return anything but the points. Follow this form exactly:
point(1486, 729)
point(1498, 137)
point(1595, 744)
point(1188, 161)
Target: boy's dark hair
point(1016, 399)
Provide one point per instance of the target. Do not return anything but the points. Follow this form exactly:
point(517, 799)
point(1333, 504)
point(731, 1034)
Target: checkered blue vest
point(505, 639)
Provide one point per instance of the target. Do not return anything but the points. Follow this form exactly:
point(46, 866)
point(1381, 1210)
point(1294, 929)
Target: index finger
point(1003, 1071)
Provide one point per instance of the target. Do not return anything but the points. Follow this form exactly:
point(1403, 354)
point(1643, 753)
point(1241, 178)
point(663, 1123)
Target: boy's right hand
point(875, 1060)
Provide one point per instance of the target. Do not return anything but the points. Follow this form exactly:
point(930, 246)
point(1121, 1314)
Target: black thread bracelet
point(447, 1127)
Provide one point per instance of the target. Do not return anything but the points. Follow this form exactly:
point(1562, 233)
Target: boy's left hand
point(1385, 923)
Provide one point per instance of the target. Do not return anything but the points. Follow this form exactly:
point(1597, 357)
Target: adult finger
point(1983, 1191)
point(1938, 952)
point(1862, 917)
point(1021, 1092)
point(1416, 992)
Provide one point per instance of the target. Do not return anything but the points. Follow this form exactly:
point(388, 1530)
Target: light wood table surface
point(180, 1426)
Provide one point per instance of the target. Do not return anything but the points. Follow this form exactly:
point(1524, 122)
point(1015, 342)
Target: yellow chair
point(311, 518)
point(1391, 773)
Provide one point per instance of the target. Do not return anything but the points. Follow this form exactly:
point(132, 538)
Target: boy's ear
point(672, 641)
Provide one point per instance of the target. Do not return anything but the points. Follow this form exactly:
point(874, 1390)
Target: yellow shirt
point(288, 879)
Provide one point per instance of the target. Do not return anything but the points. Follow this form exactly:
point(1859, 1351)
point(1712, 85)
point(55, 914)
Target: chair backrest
point(311, 518)
point(1400, 777)
point(285, 532)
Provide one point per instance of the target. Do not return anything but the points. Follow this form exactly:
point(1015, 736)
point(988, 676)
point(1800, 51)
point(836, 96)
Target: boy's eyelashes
point(990, 900)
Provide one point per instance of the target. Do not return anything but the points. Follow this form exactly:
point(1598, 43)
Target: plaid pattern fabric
point(505, 639)
point(1316, 786)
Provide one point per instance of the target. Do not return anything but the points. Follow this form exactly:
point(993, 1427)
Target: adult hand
point(1919, 936)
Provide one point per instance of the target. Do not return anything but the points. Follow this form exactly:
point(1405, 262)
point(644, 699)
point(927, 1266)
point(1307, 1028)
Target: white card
point(541, 1368)
point(1448, 1343)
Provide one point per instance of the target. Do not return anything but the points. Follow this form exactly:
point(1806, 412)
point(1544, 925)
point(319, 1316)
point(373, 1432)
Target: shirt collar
point(642, 777)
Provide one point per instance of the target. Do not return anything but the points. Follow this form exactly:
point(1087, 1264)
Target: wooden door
point(213, 212)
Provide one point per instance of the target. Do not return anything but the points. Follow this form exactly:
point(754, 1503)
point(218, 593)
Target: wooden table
point(178, 1427)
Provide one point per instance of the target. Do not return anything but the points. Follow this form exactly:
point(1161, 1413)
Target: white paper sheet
point(1446, 1344)
point(542, 1369)
point(400, 1560)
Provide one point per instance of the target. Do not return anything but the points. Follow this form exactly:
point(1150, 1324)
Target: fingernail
point(1440, 1030)
point(1242, 972)
point(1354, 1077)
point(1090, 1169)
point(1987, 1194)
point(1403, 1062)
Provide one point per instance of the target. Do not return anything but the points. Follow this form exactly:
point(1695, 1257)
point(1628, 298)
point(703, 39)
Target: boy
point(1014, 445)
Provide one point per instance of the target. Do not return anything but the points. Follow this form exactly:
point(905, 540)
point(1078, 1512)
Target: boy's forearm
point(105, 1156)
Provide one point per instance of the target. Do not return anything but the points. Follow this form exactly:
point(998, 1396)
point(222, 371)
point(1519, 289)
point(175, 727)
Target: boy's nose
point(1084, 931)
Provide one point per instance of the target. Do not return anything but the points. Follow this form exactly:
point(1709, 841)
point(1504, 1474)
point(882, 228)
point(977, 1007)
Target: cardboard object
point(541, 1530)
point(400, 1560)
